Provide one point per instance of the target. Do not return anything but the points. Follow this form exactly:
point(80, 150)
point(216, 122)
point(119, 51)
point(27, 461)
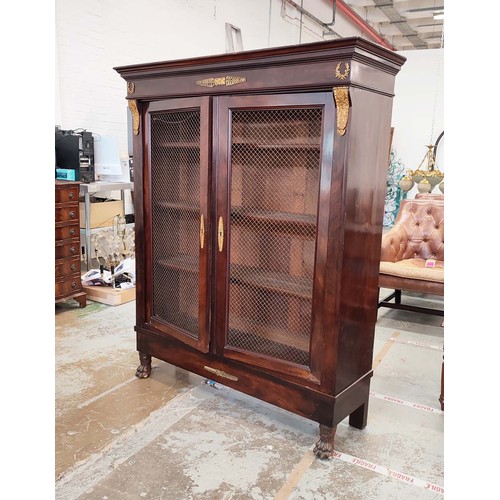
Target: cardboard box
point(108, 295)
point(101, 213)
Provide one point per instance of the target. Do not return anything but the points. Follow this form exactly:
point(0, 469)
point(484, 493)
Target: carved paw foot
point(324, 447)
point(144, 369)
point(323, 450)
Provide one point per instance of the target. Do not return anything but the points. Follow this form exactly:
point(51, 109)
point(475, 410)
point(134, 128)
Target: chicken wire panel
point(175, 197)
point(275, 172)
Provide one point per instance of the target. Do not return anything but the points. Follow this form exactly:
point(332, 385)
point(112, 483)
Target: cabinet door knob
point(71, 195)
point(73, 267)
point(71, 232)
point(72, 250)
point(72, 214)
point(73, 285)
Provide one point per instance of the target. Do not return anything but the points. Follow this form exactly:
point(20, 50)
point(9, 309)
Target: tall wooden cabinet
point(259, 197)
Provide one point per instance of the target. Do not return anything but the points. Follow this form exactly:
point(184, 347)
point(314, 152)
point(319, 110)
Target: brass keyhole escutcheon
point(220, 234)
point(202, 231)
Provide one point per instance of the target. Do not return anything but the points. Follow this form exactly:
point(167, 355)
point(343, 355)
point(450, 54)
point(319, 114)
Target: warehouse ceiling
point(405, 24)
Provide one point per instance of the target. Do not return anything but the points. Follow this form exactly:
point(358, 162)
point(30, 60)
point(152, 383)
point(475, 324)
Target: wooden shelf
point(188, 324)
point(297, 223)
point(258, 278)
point(307, 146)
point(180, 145)
point(272, 281)
point(186, 263)
point(280, 336)
point(180, 207)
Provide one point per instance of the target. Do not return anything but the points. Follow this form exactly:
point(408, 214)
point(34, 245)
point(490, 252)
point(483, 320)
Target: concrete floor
point(172, 436)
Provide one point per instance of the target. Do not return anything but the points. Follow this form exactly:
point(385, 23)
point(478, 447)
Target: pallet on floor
point(108, 295)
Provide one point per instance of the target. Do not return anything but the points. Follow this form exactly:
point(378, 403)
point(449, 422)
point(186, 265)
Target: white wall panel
point(418, 102)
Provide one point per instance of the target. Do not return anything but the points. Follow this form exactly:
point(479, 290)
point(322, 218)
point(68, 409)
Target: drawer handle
point(72, 250)
point(71, 195)
point(73, 285)
point(73, 267)
point(72, 214)
point(71, 232)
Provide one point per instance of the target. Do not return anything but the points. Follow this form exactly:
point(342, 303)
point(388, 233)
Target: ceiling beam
point(387, 7)
point(361, 23)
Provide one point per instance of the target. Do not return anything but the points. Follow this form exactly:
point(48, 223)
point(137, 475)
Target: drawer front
point(68, 286)
point(66, 194)
point(67, 266)
point(65, 214)
point(69, 248)
point(67, 232)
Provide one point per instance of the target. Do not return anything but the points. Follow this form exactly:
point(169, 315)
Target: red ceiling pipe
point(356, 19)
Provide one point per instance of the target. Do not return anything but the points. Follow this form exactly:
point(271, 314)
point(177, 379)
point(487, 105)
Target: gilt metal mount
point(221, 373)
point(341, 96)
point(345, 74)
point(132, 104)
point(223, 80)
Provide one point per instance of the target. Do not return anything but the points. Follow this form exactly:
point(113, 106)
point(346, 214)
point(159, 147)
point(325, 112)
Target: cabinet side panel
point(365, 181)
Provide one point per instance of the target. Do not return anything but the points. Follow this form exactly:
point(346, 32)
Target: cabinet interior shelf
point(180, 206)
point(272, 281)
point(278, 145)
point(188, 324)
point(285, 220)
point(186, 263)
point(292, 222)
point(248, 276)
point(179, 145)
point(242, 327)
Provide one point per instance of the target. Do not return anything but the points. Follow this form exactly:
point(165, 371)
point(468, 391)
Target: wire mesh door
point(178, 212)
point(274, 185)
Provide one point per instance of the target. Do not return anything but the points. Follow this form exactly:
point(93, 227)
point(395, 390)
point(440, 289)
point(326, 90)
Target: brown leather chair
point(409, 248)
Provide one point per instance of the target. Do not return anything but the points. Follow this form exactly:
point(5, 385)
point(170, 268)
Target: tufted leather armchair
point(410, 248)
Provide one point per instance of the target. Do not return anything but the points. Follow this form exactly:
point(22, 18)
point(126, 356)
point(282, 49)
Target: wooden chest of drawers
point(68, 283)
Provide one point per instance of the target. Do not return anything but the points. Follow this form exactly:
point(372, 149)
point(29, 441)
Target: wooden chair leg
point(441, 396)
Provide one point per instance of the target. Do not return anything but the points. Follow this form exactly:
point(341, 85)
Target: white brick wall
point(93, 36)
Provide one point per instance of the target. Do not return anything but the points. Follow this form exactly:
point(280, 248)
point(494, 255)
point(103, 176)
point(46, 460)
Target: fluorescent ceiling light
point(428, 25)
point(423, 9)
